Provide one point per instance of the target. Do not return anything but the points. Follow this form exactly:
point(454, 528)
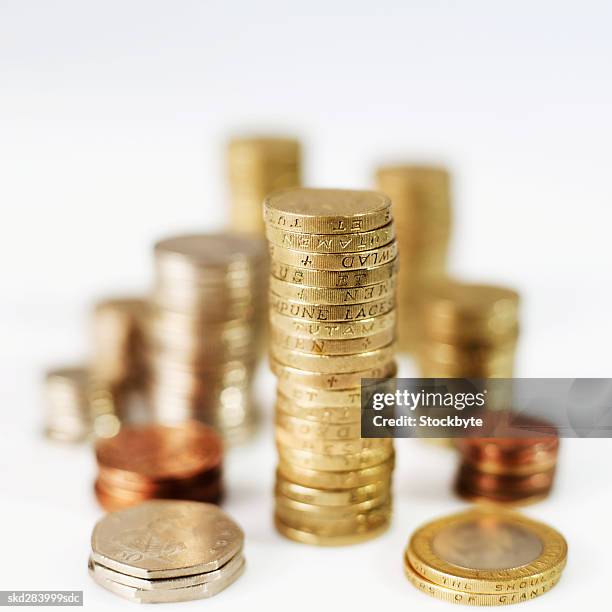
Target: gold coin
point(350, 346)
point(333, 279)
point(331, 243)
point(355, 536)
point(364, 521)
point(327, 211)
point(468, 598)
point(330, 447)
point(312, 430)
point(324, 295)
point(333, 463)
point(166, 539)
point(332, 330)
point(335, 261)
point(319, 414)
point(333, 364)
point(347, 380)
point(349, 511)
point(322, 497)
point(336, 480)
point(486, 551)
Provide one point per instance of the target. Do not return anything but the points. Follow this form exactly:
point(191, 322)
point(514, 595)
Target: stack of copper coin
point(422, 215)
point(159, 462)
point(469, 331)
point(258, 166)
point(332, 323)
point(512, 470)
point(207, 314)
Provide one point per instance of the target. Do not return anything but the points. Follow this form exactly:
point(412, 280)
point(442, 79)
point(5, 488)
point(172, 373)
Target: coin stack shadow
point(332, 323)
point(207, 314)
point(145, 462)
point(422, 216)
point(509, 470)
point(166, 551)
point(469, 331)
point(258, 166)
point(485, 557)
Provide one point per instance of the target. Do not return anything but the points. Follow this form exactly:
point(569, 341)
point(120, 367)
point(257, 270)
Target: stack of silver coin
point(207, 309)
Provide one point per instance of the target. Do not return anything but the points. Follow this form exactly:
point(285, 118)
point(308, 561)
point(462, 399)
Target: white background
point(113, 117)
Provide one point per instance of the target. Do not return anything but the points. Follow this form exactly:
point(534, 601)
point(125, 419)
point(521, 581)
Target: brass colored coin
point(318, 414)
point(330, 447)
point(335, 261)
point(308, 537)
point(324, 295)
point(333, 279)
point(166, 583)
point(331, 243)
point(327, 313)
point(470, 598)
point(350, 346)
point(486, 551)
point(320, 525)
point(324, 497)
point(330, 364)
point(166, 539)
point(336, 480)
point(312, 430)
point(333, 463)
point(327, 211)
point(336, 330)
point(330, 512)
point(186, 593)
point(348, 380)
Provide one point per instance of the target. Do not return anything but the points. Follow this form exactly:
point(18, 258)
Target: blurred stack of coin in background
point(469, 331)
point(332, 323)
point(422, 216)
point(207, 313)
point(166, 551)
point(485, 557)
point(509, 470)
point(256, 167)
point(68, 415)
point(153, 461)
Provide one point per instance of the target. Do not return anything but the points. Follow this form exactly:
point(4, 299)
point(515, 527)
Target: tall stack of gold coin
point(207, 309)
point(422, 214)
point(469, 331)
point(257, 167)
point(332, 323)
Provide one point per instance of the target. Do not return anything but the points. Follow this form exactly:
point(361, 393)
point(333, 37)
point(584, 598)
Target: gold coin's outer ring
point(333, 279)
point(331, 243)
point(467, 598)
point(332, 463)
point(304, 537)
point(339, 262)
point(422, 557)
point(365, 211)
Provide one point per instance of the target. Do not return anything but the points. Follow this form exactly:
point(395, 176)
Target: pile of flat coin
point(485, 557)
point(332, 323)
point(166, 551)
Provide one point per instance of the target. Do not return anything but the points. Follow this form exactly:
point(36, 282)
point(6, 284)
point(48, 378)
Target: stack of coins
point(257, 167)
point(422, 214)
point(208, 306)
point(332, 323)
point(469, 331)
point(68, 416)
point(119, 342)
point(517, 470)
point(166, 551)
point(485, 557)
point(157, 461)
